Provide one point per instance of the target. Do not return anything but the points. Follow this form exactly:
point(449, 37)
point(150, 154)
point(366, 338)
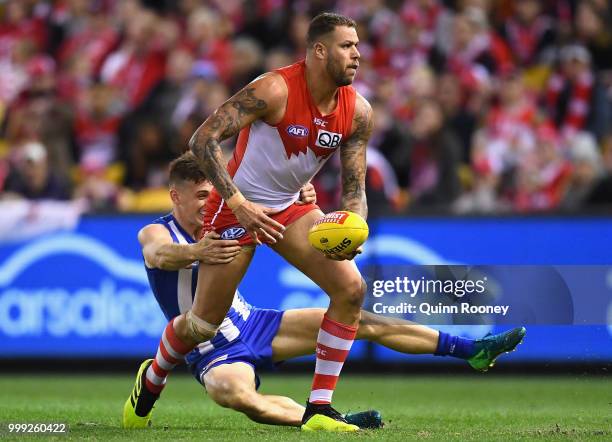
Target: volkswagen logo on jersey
point(295, 130)
point(233, 233)
point(328, 140)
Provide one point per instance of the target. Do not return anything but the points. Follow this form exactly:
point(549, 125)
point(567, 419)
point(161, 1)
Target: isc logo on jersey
point(328, 140)
point(233, 233)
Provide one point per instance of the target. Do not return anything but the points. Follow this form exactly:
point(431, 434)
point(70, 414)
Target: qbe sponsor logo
point(328, 140)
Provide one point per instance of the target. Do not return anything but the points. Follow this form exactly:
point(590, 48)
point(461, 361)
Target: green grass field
point(414, 408)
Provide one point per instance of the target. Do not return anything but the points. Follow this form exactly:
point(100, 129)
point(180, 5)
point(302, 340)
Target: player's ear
point(320, 50)
point(174, 196)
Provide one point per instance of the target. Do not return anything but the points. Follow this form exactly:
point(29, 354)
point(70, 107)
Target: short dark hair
point(186, 168)
point(325, 23)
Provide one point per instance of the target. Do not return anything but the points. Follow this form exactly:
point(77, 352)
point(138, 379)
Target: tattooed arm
point(265, 99)
point(353, 159)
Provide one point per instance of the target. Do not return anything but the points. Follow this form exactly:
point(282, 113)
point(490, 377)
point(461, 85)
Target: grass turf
point(414, 408)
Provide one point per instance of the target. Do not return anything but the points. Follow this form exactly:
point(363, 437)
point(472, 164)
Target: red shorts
point(220, 218)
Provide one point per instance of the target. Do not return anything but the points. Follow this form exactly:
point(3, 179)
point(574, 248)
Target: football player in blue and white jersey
point(251, 338)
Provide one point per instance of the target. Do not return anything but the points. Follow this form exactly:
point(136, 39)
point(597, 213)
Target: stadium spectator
point(542, 178)
point(33, 178)
point(503, 142)
point(13, 72)
point(382, 189)
point(207, 39)
point(148, 158)
point(247, 61)
point(528, 31)
point(138, 64)
point(508, 134)
point(40, 115)
point(428, 167)
point(171, 101)
point(571, 90)
point(593, 30)
point(20, 22)
point(85, 33)
point(460, 115)
point(587, 163)
point(96, 125)
point(476, 53)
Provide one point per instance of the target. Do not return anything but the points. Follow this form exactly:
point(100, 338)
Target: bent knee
point(198, 329)
point(352, 293)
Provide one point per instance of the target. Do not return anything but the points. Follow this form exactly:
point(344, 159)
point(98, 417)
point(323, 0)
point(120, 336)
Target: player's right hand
point(254, 218)
point(213, 250)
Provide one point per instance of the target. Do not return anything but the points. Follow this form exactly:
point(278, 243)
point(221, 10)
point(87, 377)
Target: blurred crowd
point(481, 106)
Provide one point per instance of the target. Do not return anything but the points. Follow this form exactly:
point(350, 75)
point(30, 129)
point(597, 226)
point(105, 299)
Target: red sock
point(333, 345)
point(170, 352)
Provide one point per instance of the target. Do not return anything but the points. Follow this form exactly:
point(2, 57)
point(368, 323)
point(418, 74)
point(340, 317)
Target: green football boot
point(489, 348)
point(365, 420)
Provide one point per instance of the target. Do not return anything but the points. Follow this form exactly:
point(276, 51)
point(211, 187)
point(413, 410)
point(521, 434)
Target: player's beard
point(338, 73)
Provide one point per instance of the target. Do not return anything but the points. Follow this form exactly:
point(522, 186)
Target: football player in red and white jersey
point(290, 121)
point(252, 338)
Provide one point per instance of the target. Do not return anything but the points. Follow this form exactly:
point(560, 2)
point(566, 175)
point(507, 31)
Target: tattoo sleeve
point(240, 110)
point(353, 159)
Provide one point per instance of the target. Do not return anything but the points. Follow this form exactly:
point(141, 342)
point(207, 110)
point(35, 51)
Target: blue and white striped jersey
point(174, 291)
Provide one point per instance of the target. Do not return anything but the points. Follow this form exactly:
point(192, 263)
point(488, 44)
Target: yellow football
point(338, 232)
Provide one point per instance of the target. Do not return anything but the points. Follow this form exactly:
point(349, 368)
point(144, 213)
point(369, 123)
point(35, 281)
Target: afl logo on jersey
point(233, 233)
point(328, 140)
point(295, 130)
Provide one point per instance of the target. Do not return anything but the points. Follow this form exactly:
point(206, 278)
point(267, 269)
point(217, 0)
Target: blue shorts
point(253, 346)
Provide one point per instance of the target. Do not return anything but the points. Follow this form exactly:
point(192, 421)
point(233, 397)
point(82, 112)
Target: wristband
point(235, 201)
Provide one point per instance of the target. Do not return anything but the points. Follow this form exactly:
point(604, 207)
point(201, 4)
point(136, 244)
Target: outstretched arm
point(261, 99)
point(160, 252)
point(353, 159)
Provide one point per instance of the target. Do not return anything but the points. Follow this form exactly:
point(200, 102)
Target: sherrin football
point(338, 232)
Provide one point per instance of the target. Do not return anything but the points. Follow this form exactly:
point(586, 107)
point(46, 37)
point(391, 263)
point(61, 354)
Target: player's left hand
point(307, 195)
point(345, 256)
point(254, 218)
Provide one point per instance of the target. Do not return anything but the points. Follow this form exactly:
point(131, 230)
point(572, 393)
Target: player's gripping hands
point(161, 252)
point(211, 249)
point(307, 195)
point(261, 225)
point(254, 218)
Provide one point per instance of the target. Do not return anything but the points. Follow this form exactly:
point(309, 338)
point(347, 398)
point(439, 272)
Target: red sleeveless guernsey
point(271, 163)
